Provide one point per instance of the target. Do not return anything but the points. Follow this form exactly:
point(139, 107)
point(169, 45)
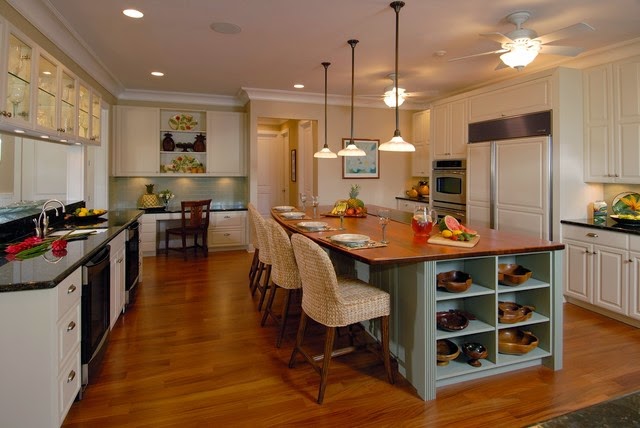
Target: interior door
point(271, 172)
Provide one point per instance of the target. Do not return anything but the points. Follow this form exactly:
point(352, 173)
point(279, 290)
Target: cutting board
point(439, 240)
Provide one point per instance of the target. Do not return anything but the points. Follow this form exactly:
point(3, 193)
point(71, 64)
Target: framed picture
point(293, 165)
point(367, 166)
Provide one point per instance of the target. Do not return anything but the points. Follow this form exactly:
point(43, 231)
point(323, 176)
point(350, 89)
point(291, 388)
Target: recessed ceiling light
point(157, 73)
point(18, 131)
point(225, 28)
point(298, 86)
point(132, 13)
point(44, 136)
point(46, 72)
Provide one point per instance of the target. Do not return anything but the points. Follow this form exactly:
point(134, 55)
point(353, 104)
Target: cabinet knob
point(71, 289)
point(227, 234)
point(227, 216)
point(592, 235)
point(72, 376)
point(71, 326)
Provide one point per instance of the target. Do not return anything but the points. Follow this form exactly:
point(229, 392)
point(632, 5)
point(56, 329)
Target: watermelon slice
point(449, 223)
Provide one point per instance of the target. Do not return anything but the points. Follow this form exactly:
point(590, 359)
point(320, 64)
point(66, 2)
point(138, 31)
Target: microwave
point(449, 182)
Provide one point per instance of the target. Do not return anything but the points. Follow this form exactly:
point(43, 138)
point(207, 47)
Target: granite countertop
point(46, 271)
point(418, 199)
point(604, 224)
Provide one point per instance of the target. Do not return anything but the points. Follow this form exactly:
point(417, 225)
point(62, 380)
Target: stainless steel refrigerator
point(509, 174)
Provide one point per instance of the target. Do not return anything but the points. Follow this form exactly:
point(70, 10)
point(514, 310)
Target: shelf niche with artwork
point(183, 142)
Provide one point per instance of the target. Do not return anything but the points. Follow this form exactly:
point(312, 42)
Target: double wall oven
point(449, 188)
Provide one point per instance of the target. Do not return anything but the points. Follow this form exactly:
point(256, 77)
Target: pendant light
point(352, 149)
point(325, 152)
point(397, 144)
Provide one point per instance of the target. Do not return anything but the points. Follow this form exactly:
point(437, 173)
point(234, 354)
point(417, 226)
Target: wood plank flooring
point(191, 353)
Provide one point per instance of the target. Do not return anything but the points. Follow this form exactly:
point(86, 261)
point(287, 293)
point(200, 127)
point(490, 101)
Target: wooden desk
point(407, 269)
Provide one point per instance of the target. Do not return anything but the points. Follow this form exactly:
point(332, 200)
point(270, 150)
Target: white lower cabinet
point(118, 280)
point(40, 369)
point(148, 235)
point(481, 300)
point(409, 206)
point(228, 229)
point(601, 270)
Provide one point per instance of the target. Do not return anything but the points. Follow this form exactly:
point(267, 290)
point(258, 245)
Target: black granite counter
point(46, 271)
point(423, 199)
point(605, 224)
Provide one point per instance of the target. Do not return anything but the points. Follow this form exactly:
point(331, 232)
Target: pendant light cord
point(397, 5)
point(326, 66)
point(353, 44)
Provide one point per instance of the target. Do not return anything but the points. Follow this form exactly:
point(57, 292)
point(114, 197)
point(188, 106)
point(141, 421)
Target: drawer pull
point(592, 235)
point(227, 234)
point(71, 326)
point(227, 216)
point(72, 376)
point(71, 289)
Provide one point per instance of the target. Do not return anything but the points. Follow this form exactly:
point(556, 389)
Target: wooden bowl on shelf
point(511, 312)
point(446, 351)
point(454, 281)
point(475, 352)
point(513, 274)
point(452, 320)
point(514, 341)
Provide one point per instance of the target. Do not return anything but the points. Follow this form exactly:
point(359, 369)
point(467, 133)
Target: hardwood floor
point(191, 352)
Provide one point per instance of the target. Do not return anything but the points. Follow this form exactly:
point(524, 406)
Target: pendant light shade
point(352, 149)
point(397, 143)
point(325, 152)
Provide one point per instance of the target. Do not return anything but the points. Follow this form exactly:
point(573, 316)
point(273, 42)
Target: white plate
point(350, 239)
point(283, 208)
point(313, 225)
point(293, 214)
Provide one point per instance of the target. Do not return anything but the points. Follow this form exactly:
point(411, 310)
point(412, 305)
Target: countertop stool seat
point(264, 256)
point(335, 302)
point(194, 222)
point(284, 275)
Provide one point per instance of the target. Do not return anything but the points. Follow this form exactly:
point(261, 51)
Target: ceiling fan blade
point(479, 54)
point(497, 37)
point(565, 33)
point(501, 65)
point(560, 50)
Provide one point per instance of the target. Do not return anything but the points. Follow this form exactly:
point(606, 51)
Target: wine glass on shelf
point(303, 199)
point(315, 202)
point(383, 219)
point(16, 96)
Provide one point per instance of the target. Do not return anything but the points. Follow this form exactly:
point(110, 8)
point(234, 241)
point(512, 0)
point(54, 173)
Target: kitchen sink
point(63, 232)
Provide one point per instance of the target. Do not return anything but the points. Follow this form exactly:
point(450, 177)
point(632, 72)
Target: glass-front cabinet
point(88, 114)
point(68, 96)
point(47, 98)
point(19, 56)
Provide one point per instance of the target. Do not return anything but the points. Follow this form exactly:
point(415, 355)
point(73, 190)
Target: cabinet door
point(478, 184)
point(458, 125)
point(577, 272)
point(627, 119)
point(19, 76)
point(47, 94)
point(524, 98)
point(610, 278)
point(420, 163)
point(439, 131)
point(226, 143)
point(137, 150)
point(634, 285)
point(598, 131)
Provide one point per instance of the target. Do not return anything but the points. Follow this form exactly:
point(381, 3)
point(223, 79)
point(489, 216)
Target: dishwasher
point(132, 262)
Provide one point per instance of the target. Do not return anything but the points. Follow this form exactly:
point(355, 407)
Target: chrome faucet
point(42, 223)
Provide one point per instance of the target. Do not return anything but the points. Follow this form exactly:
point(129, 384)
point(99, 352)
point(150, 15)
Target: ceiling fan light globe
point(390, 97)
point(520, 56)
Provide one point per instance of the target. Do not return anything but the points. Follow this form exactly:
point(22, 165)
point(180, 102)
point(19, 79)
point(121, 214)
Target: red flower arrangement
point(34, 246)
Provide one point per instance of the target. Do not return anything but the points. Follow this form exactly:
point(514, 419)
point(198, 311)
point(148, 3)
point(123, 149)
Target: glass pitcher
point(422, 221)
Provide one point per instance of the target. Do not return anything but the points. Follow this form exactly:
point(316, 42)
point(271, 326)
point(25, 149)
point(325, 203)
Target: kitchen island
point(407, 269)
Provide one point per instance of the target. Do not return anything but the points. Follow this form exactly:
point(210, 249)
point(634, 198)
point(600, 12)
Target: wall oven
point(95, 310)
point(132, 261)
point(449, 184)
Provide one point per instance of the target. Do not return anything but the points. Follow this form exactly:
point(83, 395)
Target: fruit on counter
point(413, 193)
point(353, 200)
point(84, 212)
point(451, 228)
point(339, 207)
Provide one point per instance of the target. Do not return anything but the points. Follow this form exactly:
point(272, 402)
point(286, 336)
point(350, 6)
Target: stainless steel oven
point(449, 182)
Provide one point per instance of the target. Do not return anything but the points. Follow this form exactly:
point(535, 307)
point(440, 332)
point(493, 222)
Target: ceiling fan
point(520, 46)
point(389, 94)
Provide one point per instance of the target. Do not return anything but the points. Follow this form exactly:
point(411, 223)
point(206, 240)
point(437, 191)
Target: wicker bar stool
point(255, 262)
point(264, 256)
point(335, 302)
point(284, 275)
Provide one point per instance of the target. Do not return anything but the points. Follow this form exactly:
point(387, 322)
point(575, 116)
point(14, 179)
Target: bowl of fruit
point(87, 213)
point(352, 207)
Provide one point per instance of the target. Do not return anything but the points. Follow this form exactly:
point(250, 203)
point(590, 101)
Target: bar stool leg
point(385, 347)
point(267, 309)
point(299, 338)
point(328, 349)
point(285, 315)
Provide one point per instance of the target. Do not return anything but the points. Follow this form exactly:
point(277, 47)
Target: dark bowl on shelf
point(452, 320)
point(454, 281)
point(475, 352)
point(511, 312)
point(446, 351)
point(514, 341)
point(513, 274)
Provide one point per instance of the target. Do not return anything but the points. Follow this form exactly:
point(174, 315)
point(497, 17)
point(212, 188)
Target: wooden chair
point(335, 302)
point(195, 222)
point(255, 262)
point(264, 256)
point(284, 275)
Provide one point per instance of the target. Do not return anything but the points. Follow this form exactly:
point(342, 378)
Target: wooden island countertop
point(407, 268)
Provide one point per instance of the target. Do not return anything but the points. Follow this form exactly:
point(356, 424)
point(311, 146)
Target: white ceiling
point(283, 42)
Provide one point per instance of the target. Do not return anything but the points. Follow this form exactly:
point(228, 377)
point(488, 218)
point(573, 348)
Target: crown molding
point(181, 97)
point(45, 18)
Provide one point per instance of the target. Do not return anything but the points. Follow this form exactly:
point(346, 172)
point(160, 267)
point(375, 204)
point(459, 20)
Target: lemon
point(447, 234)
point(457, 232)
point(82, 214)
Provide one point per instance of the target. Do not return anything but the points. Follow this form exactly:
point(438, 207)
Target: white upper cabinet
point(136, 146)
point(449, 130)
point(18, 79)
point(420, 159)
point(612, 122)
point(527, 97)
point(226, 145)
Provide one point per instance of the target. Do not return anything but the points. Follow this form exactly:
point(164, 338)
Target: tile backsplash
point(225, 192)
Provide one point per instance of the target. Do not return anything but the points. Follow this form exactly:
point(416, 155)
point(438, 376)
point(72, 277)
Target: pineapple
point(353, 201)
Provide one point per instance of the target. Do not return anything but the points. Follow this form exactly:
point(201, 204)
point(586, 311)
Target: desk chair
point(195, 222)
point(335, 302)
